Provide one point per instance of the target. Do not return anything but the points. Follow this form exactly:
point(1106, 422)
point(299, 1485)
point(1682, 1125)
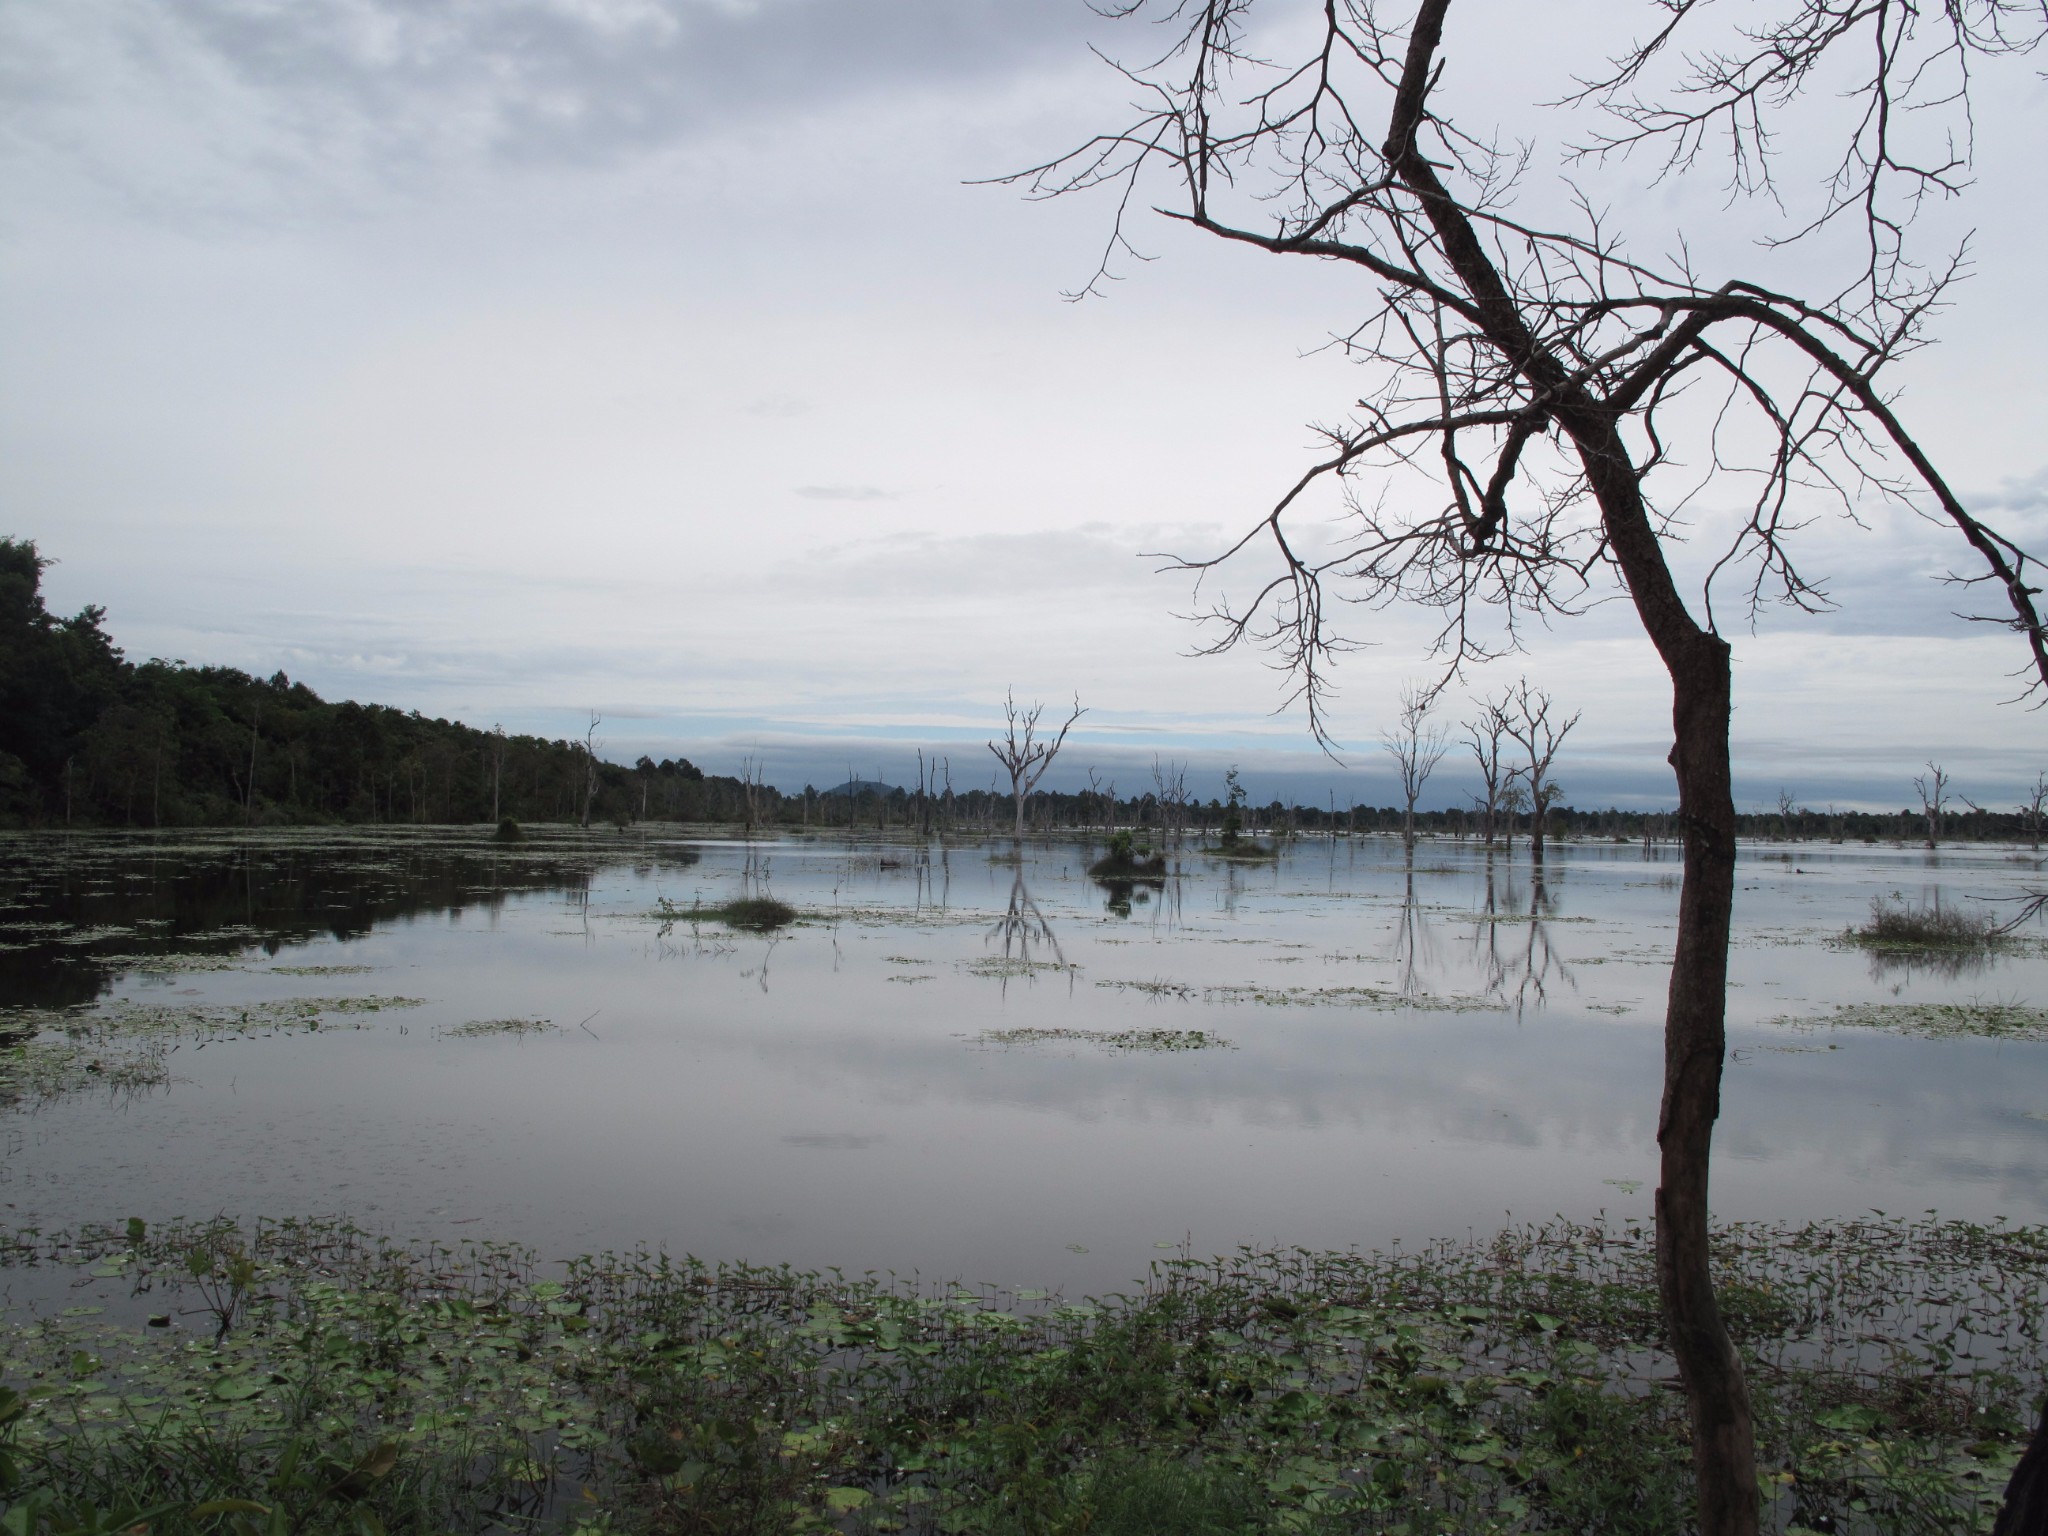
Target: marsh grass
point(1899, 925)
point(754, 914)
point(1515, 1384)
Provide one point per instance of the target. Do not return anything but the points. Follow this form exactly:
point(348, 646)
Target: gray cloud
point(555, 82)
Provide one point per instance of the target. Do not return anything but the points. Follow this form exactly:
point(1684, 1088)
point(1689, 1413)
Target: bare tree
point(1514, 799)
point(753, 781)
point(1024, 756)
point(2033, 806)
point(1528, 715)
point(1170, 784)
point(590, 745)
point(1416, 746)
point(497, 767)
point(1933, 787)
point(1484, 736)
point(1535, 384)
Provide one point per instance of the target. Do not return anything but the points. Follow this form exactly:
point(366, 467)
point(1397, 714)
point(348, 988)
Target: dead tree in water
point(1023, 755)
point(1933, 790)
point(1484, 737)
point(2031, 808)
point(590, 765)
point(1170, 786)
point(1529, 723)
point(1527, 418)
point(1416, 748)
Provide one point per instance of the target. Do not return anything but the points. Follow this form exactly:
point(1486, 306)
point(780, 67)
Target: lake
point(961, 1063)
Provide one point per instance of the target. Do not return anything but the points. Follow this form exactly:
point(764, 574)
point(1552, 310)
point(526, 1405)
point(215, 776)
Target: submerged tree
point(1527, 713)
point(1484, 737)
point(1933, 789)
point(1533, 381)
point(1416, 746)
point(1023, 753)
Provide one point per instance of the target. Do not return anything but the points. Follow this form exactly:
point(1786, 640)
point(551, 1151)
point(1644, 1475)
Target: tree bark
point(1723, 1433)
point(2025, 1511)
point(1724, 1446)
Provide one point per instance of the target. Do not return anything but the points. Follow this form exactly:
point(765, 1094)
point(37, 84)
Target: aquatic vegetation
point(123, 1045)
point(1005, 966)
point(758, 914)
point(1155, 988)
point(1348, 997)
point(478, 1028)
point(319, 970)
point(33, 1071)
point(1246, 853)
point(1939, 1021)
point(1127, 862)
point(1511, 1384)
point(1898, 925)
point(1110, 1039)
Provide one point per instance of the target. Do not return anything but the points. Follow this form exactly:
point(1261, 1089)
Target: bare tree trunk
point(249, 802)
point(1695, 1038)
point(1724, 1449)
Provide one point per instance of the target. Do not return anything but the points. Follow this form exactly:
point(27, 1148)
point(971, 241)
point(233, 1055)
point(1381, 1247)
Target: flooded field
point(966, 1064)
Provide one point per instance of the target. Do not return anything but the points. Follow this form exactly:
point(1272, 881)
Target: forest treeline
point(88, 738)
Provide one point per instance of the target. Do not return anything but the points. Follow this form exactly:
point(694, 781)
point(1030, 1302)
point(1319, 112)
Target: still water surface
point(1401, 1055)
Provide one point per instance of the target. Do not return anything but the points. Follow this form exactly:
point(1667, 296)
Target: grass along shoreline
point(322, 1378)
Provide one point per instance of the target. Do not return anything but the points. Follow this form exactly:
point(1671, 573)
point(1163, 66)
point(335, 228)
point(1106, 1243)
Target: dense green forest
point(88, 738)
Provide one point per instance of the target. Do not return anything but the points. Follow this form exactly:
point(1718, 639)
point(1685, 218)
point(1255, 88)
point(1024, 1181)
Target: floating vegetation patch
point(756, 914)
point(35, 1071)
point(479, 1028)
point(170, 963)
point(123, 1044)
point(1940, 1021)
point(99, 935)
point(1504, 919)
point(1510, 1384)
point(1249, 853)
point(1179, 989)
point(1349, 997)
point(1007, 965)
point(357, 1004)
point(320, 970)
point(909, 977)
point(1110, 1039)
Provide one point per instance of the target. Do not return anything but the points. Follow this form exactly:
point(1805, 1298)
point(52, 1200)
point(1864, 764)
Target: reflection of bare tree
point(760, 972)
point(1520, 973)
point(1415, 950)
point(1233, 887)
point(1899, 966)
point(934, 878)
point(1024, 928)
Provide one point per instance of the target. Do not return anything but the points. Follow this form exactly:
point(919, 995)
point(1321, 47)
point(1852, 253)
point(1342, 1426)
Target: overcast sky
point(510, 359)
